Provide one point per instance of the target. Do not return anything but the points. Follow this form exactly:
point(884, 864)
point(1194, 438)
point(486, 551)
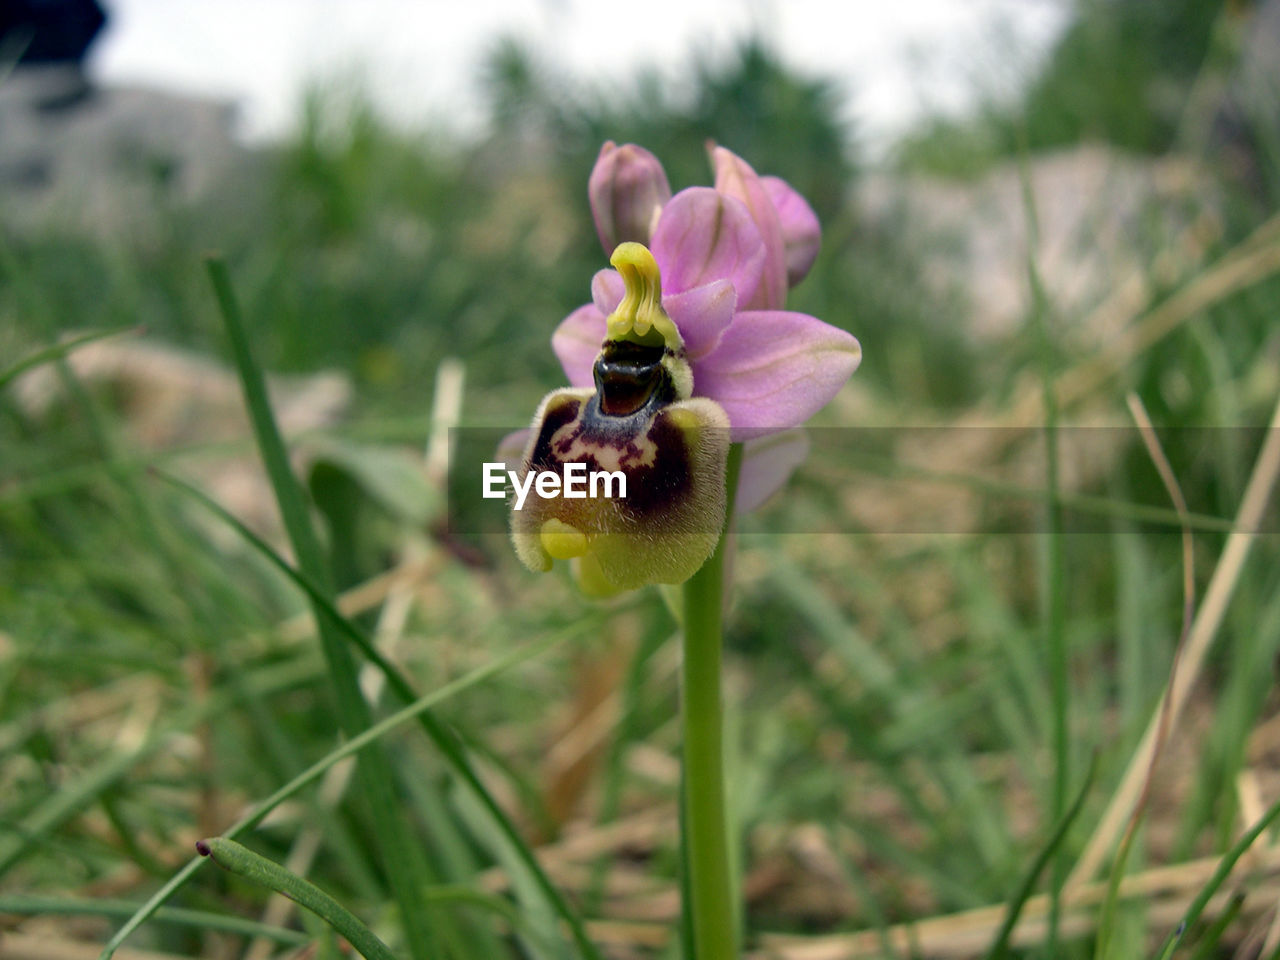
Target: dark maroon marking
point(559, 413)
point(632, 391)
point(651, 490)
point(202, 848)
point(669, 479)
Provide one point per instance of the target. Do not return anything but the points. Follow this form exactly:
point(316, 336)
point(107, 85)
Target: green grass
point(910, 715)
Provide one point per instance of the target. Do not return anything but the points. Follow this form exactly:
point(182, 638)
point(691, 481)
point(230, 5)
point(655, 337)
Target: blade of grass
point(74, 797)
point(540, 919)
point(1000, 948)
point(1055, 609)
point(51, 906)
point(848, 716)
point(1246, 671)
point(1170, 481)
point(401, 854)
point(316, 770)
point(443, 739)
point(903, 697)
point(1208, 946)
point(126, 834)
point(277, 745)
point(450, 893)
point(1146, 322)
point(626, 732)
point(1005, 491)
point(206, 600)
point(870, 900)
point(1225, 866)
point(451, 850)
point(1217, 595)
point(243, 862)
point(58, 351)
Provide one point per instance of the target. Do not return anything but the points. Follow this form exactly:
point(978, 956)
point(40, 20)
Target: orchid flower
point(685, 348)
point(726, 257)
point(685, 354)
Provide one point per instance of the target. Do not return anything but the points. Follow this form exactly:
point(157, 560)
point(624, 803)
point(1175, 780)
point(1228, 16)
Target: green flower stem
point(706, 839)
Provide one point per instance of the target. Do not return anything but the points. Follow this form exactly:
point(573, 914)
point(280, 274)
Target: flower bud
point(627, 189)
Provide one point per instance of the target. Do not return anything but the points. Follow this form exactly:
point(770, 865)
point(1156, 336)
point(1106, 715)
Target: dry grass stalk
point(1222, 584)
point(364, 596)
point(1167, 890)
point(881, 502)
point(625, 933)
point(25, 946)
point(1240, 269)
point(1164, 718)
point(446, 411)
point(643, 830)
point(1253, 260)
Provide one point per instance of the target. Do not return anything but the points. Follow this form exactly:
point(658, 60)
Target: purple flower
point(685, 347)
point(726, 257)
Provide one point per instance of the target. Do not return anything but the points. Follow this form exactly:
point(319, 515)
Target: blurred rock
point(168, 399)
point(112, 161)
point(1102, 215)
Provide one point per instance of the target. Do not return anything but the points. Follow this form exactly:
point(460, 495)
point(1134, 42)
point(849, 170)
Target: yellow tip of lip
point(563, 541)
point(684, 419)
point(591, 579)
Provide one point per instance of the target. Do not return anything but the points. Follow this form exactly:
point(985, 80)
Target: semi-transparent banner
point(915, 480)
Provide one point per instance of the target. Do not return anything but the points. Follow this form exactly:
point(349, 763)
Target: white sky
point(420, 57)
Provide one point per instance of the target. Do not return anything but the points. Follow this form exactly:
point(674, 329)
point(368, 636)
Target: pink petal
point(767, 464)
point(607, 290)
point(735, 178)
point(702, 315)
point(801, 232)
point(577, 341)
point(704, 236)
point(774, 369)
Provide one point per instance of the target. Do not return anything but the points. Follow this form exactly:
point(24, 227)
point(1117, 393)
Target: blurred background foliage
point(891, 693)
point(1122, 73)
